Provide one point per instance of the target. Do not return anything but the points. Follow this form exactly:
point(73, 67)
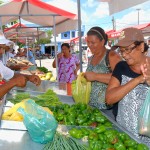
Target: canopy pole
point(55, 49)
point(27, 50)
point(38, 41)
point(1, 27)
point(79, 31)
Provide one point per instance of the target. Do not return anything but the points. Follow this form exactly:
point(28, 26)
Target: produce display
point(44, 74)
point(88, 128)
point(12, 114)
point(62, 142)
point(48, 99)
point(19, 62)
point(103, 138)
point(79, 115)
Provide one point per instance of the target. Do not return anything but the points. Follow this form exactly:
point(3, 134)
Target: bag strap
point(107, 60)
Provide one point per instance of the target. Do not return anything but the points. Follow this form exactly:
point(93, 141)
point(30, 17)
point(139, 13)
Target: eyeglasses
point(127, 50)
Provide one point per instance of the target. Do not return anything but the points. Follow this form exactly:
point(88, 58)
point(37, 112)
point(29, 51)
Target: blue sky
point(95, 13)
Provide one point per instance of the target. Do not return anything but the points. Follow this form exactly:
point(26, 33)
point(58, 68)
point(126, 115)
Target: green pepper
point(119, 146)
point(76, 133)
point(59, 117)
point(71, 119)
point(100, 129)
point(85, 131)
point(122, 136)
point(81, 119)
point(92, 118)
point(102, 137)
point(93, 136)
point(142, 147)
point(100, 119)
point(129, 143)
point(112, 139)
point(95, 145)
point(98, 145)
point(72, 114)
point(131, 148)
point(82, 106)
point(108, 124)
point(107, 146)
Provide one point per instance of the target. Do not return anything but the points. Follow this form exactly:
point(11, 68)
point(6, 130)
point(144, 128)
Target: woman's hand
point(140, 79)
point(145, 68)
point(60, 55)
point(90, 76)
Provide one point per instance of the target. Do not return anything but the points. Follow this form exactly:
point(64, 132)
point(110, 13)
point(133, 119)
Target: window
point(73, 34)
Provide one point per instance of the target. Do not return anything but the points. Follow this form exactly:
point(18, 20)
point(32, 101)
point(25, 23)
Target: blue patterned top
point(97, 97)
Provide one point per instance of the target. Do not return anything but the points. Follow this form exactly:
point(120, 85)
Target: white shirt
point(5, 72)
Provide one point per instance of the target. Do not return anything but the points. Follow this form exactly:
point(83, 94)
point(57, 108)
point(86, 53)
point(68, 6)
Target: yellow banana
point(48, 110)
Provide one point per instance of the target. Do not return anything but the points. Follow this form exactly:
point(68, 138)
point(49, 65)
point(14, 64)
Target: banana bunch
point(13, 115)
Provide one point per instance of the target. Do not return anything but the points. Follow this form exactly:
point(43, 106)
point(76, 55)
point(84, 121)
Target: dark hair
point(65, 44)
point(145, 47)
point(99, 32)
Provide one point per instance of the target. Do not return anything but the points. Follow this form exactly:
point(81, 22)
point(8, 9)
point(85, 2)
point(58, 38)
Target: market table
point(14, 136)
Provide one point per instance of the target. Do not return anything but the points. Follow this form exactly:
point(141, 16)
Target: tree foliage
point(46, 40)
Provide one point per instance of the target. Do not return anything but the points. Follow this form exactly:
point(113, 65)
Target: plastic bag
point(81, 90)
point(144, 117)
point(40, 124)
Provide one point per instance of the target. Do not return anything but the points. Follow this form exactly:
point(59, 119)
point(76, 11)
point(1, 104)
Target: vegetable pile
point(42, 69)
point(102, 138)
point(62, 142)
point(48, 99)
point(79, 115)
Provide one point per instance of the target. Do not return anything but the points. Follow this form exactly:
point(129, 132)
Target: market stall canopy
point(119, 5)
point(144, 27)
point(19, 30)
point(38, 12)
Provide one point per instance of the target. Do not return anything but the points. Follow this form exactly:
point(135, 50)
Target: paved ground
point(48, 64)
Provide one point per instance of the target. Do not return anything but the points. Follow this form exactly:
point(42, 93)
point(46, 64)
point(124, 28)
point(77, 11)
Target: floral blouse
point(66, 68)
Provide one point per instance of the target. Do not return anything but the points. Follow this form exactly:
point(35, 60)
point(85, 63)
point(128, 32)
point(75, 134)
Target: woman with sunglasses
point(130, 80)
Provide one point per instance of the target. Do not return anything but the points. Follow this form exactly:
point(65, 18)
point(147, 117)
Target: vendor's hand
point(19, 80)
point(90, 76)
point(34, 79)
point(60, 55)
point(24, 67)
point(145, 68)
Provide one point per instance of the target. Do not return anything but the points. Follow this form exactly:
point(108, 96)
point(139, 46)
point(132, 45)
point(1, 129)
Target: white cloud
point(89, 3)
point(67, 5)
point(70, 6)
point(101, 11)
point(131, 19)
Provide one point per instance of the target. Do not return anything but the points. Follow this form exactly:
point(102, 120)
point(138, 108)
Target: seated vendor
point(13, 79)
point(129, 82)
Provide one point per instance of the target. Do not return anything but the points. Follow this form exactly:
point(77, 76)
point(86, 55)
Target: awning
point(144, 27)
point(40, 13)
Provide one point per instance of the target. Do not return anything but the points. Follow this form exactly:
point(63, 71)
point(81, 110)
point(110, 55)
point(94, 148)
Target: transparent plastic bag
point(81, 90)
point(144, 117)
point(40, 124)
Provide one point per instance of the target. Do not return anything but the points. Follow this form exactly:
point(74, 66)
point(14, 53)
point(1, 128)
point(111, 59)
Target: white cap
point(3, 40)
